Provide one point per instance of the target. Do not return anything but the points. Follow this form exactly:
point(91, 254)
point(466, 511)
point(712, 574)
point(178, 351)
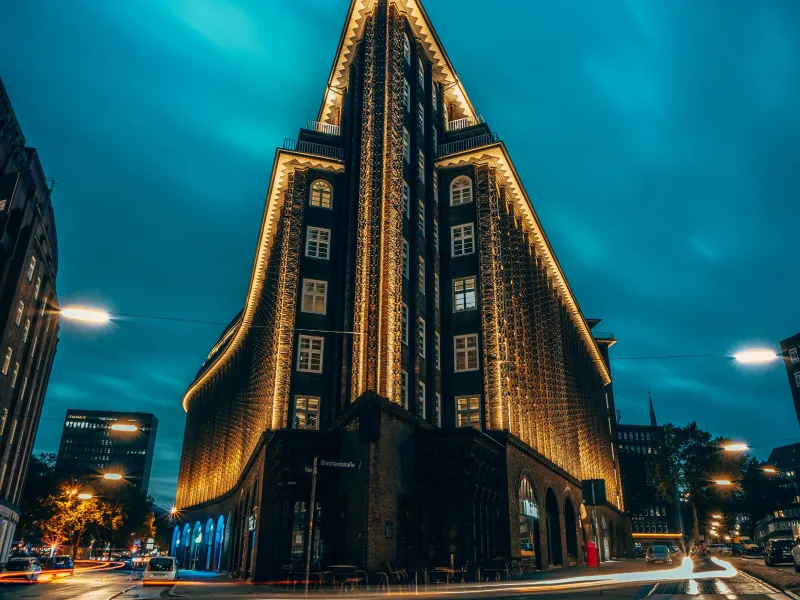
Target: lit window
point(793, 355)
point(436, 235)
point(406, 201)
point(404, 388)
point(318, 242)
point(31, 268)
point(421, 119)
point(421, 336)
point(421, 164)
point(437, 409)
point(405, 259)
point(464, 294)
point(434, 96)
point(406, 48)
point(468, 411)
point(421, 216)
point(435, 186)
point(14, 375)
point(309, 353)
point(36, 288)
point(44, 306)
point(404, 334)
point(406, 95)
point(436, 290)
point(20, 310)
point(420, 400)
point(25, 330)
point(321, 194)
point(466, 352)
point(797, 378)
point(306, 412)
point(437, 346)
point(421, 72)
point(7, 360)
point(315, 294)
point(421, 274)
point(462, 240)
point(2, 205)
point(33, 346)
point(406, 145)
point(461, 191)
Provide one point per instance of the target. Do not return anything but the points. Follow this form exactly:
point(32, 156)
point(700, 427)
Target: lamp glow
point(85, 496)
point(736, 447)
point(123, 427)
point(722, 482)
point(769, 470)
point(112, 476)
point(715, 523)
point(93, 316)
point(755, 356)
point(173, 510)
point(717, 516)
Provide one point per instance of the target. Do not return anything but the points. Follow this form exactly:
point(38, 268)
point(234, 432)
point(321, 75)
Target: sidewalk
point(781, 576)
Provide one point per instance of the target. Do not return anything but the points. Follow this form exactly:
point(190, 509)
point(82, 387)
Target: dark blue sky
point(659, 141)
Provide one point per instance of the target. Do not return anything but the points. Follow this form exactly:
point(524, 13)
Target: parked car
point(778, 550)
point(62, 565)
point(160, 569)
point(22, 569)
point(675, 551)
point(658, 554)
point(717, 548)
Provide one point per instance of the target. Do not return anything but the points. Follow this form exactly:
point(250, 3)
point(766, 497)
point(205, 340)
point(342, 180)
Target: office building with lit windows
point(790, 352)
point(408, 324)
point(107, 451)
point(29, 318)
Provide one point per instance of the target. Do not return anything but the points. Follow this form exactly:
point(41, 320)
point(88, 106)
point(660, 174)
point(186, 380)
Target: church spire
point(652, 410)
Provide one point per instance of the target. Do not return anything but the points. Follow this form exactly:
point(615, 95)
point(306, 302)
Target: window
point(404, 388)
point(466, 352)
point(436, 235)
point(797, 378)
point(406, 146)
point(420, 400)
point(468, 411)
point(421, 119)
point(435, 138)
point(306, 412)
point(437, 346)
point(421, 216)
point(434, 96)
point(20, 310)
point(462, 240)
point(318, 242)
point(436, 290)
point(421, 72)
point(2, 205)
point(421, 275)
point(793, 355)
point(315, 294)
point(437, 409)
point(321, 194)
point(464, 294)
point(406, 201)
point(31, 268)
point(461, 191)
point(404, 334)
point(33, 346)
point(435, 186)
point(421, 336)
point(309, 353)
point(406, 48)
point(405, 259)
point(421, 163)
point(14, 375)
point(26, 330)
point(44, 306)
point(7, 361)
point(36, 288)
point(406, 95)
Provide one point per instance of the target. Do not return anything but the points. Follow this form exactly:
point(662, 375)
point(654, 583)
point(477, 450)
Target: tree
point(759, 493)
point(70, 517)
point(40, 482)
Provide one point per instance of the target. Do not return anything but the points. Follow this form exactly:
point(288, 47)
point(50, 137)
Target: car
point(61, 564)
point(160, 569)
point(657, 554)
point(675, 551)
point(778, 550)
point(22, 569)
point(743, 545)
point(717, 548)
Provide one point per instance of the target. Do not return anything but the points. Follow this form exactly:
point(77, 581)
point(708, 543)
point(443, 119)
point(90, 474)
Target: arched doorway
point(176, 541)
point(219, 536)
point(529, 530)
point(197, 541)
point(208, 539)
point(571, 530)
point(553, 529)
point(186, 546)
point(605, 553)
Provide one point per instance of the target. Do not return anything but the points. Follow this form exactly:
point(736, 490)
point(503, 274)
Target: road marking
point(123, 591)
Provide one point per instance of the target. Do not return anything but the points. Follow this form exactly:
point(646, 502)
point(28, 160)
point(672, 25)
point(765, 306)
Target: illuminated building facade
point(654, 519)
point(790, 352)
point(99, 442)
point(406, 315)
point(28, 309)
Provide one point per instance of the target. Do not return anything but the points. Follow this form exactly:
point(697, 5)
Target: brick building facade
point(406, 316)
point(28, 309)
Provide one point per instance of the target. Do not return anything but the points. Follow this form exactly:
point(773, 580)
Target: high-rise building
point(408, 324)
point(790, 351)
point(656, 518)
point(107, 451)
point(29, 317)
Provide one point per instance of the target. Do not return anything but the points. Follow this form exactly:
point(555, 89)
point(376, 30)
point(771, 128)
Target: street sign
point(594, 492)
point(335, 464)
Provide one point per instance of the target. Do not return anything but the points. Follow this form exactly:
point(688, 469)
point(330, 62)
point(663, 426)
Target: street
point(87, 584)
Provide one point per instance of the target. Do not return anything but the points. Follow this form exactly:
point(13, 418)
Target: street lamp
point(92, 316)
point(112, 476)
point(736, 447)
point(717, 516)
point(756, 356)
point(85, 496)
point(722, 482)
point(770, 470)
point(124, 427)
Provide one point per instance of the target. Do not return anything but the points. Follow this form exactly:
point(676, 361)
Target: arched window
point(461, 191)
point(528, 518)
point(406, 48)
point(321, 194)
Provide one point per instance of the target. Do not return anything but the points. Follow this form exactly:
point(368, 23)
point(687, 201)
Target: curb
point(123, 591)
point(782, 590)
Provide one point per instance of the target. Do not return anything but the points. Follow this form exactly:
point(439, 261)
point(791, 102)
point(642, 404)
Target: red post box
point(592, 555)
